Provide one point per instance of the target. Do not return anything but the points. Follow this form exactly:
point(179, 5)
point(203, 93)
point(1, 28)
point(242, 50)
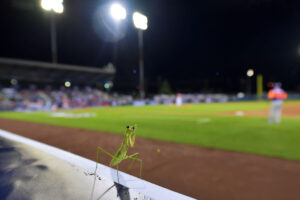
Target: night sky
point(198, 46)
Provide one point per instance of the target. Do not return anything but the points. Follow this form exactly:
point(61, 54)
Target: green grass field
point(199, 125)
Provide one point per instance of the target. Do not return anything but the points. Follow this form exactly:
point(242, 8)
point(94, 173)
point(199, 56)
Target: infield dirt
point(202, 173)
point(289, 110)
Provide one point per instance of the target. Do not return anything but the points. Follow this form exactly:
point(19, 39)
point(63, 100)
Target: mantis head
point(130, 134)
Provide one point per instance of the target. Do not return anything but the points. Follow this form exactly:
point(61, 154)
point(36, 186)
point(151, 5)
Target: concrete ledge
point(104, 182)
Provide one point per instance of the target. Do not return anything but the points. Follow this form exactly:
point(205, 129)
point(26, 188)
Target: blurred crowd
point(65, 98)
point(190, 98)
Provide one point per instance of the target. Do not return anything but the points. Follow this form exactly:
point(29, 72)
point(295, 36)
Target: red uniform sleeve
point(285, 95)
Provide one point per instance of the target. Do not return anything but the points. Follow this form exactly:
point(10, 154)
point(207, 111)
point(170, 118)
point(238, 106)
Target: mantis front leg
point(104, 151)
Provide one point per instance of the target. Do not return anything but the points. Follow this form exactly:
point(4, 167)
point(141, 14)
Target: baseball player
point(178, 99)
point(276, 95)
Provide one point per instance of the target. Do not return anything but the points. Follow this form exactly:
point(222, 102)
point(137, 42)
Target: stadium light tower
point(140, 22)
point(53, 6)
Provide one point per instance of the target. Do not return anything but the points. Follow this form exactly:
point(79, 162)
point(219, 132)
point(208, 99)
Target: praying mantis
point(121, 153)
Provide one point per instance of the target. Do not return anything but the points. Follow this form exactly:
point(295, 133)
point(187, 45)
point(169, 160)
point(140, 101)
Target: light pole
point(250, 73)
point(54, 6)
point(140, 21)
point(118, 13)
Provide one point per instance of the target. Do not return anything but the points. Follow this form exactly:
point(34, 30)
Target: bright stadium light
point(47, 4)
point(140, 21)
point(14, 81)
point(67, 84)
point(250, 72)
point(55, 5)
point(59, 8)
point(118, 12)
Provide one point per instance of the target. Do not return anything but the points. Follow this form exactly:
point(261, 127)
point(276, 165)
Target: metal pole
point(259, 86)
point(115, 53)
point(141, 64)
point(249, 85)
point(53, 37)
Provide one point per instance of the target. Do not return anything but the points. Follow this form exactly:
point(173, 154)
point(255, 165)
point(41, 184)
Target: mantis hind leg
point(133, 157)
point(118, 173)
point(104, 151)
point(107, 153)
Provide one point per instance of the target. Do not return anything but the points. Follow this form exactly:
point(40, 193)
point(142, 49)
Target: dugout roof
point(43, 72)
